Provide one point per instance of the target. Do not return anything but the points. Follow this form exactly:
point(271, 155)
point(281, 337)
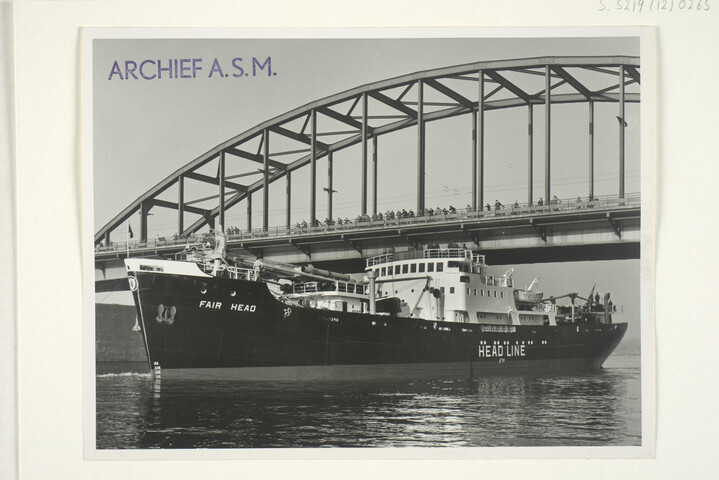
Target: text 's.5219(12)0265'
point(639, 6)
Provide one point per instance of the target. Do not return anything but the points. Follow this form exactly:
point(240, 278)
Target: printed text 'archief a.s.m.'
point(188, 68)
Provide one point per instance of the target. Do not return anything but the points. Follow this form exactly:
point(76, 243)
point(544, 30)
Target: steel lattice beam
point(396, 104)
point(255, 158)
point(346, 119)
point(214, 180)
point(298, 137)
point(450, 93)
point(509, 85)
point(607, 66)
point(576, 84)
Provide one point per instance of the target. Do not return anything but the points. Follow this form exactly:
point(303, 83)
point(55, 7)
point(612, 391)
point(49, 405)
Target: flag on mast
point(127, 242)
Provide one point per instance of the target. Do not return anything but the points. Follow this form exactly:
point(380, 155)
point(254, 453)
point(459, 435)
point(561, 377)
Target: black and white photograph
point(400, 238)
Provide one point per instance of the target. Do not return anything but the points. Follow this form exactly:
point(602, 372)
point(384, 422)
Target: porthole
point(233, 293)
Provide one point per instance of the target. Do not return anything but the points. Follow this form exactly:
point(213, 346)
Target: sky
point(144, 129)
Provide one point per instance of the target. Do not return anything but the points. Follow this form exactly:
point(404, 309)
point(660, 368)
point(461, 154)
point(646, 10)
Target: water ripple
point(134, 411)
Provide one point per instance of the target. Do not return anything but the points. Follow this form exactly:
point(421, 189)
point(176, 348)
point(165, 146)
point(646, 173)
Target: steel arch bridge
point(493, 85)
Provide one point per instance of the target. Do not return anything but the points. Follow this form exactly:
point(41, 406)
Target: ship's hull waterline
point(207, 327)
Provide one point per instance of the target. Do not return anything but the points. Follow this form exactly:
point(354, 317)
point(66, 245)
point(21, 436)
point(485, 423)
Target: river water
point(135, 411)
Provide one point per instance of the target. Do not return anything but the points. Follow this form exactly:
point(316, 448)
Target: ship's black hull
point(252, 335)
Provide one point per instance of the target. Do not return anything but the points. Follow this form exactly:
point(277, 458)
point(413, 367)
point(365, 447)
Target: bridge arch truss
point(400, 103)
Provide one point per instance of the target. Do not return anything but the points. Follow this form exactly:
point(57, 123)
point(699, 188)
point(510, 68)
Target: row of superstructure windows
point(435, 267)
point(411, 268)
point(483, 293)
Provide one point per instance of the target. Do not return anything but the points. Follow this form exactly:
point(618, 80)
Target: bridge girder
point(404, 115)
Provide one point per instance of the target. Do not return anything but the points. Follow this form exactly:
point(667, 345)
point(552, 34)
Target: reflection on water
point(603, 408)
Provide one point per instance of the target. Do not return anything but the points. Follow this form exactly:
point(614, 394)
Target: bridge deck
point(416, 229)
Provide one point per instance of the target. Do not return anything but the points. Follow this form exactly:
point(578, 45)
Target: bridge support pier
point(266, 181)
point(530, 154)
point(221, 213)
point(329, 188)
point(474, 161)
point(364, 154)
point(288, 198)
point(180, 204)
point(249, 212)
point(420, 146)
point(547, 133)
point(591, 149)
point(144, 210)
point(622, 126)
point(374, 175)
point(313, 167)
point(478, 180)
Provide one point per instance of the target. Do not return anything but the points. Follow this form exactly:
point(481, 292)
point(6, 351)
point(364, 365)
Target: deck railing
point(518, 210)
point(235, 273)
point(332, 287)
point(454, 252)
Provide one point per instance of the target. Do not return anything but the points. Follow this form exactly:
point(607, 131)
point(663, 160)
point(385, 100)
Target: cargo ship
point(429, 312)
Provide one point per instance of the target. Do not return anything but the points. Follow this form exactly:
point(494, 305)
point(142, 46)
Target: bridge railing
point(498, 210)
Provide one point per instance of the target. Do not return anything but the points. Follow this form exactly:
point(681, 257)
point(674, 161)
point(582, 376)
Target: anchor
point(166, 315)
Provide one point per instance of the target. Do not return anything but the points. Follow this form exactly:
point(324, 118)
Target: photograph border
point(647, 261)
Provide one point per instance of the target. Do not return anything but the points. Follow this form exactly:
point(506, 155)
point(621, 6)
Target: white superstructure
point(452, 284)
point(445, 284)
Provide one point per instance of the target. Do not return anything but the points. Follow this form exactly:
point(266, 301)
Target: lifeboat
point(527, 296)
